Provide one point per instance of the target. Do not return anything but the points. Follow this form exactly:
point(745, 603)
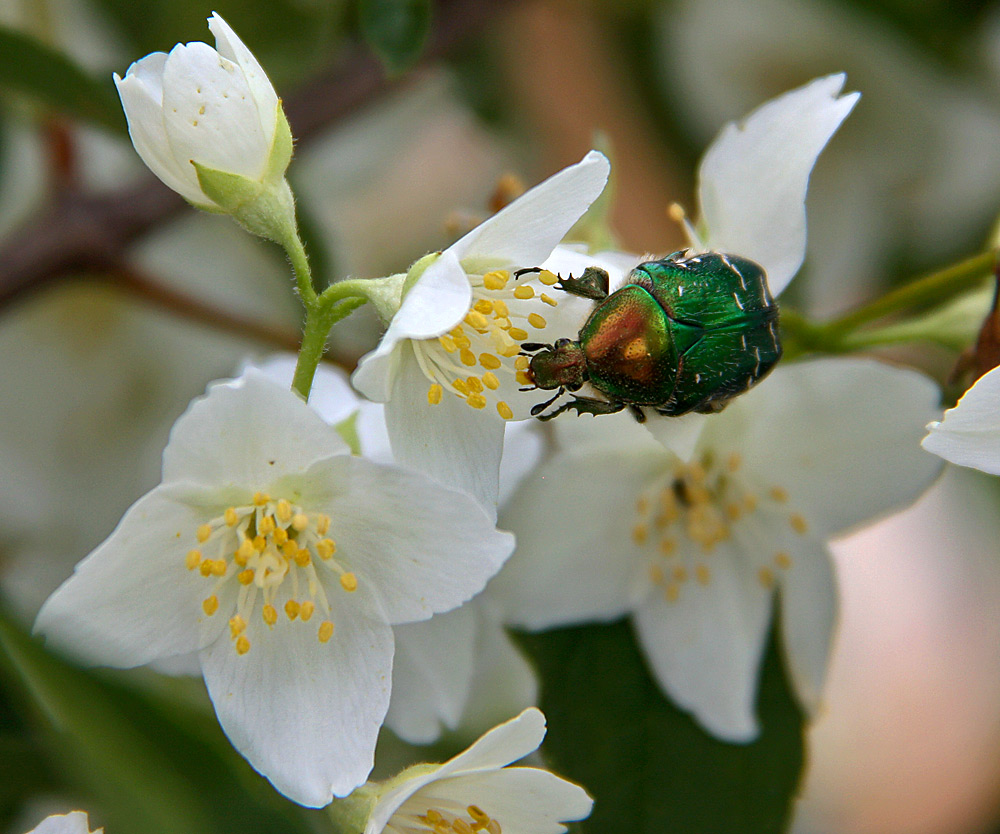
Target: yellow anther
point(766, 577)
point(349, 582)
point(242, 645)
point(642, 505)
point(448, 343)
point(231, 516)
point(475, 384)
point(521, 363)
point(504, 410)
point(244, 552)
point(325, 548)
point(548, 278)
point(261, 498)
point(518, 333)
point(489, 361)
point(476, 400)
point(206, 567)
point(493, 827)
point(490, 381)
point(547, 299)
point(325, 631)
point(524, 291)
point(477, 320)
point(237, 625)
point(289, 549)
point(510, 350)
point(259, 544)
point(779, 494)
point(523, 378)
point(656, 574)
point(284, 511)
point(484, 306)
point(668, 547)
point(750, 502)
point(306, 610)
point(460, 826)
point(495, 280)
point(433, 817)
point(672, 592)
point(503, 322)
point(219, 567)
point(245, 576)
point(280, 536)
point(734, 462)
point(703, 574)
point(734, 511)
point(680, 573)
point(193, 559)
point(322, 524)
point(210, 605)
point(302, 557)
point(500, 309)
point(640, 533)
point(270, 614)
point(204, 533)
point(536, 321)
point(467, 357)
point(783, 560)
point(461, 340)
point(300, 521)
point(266, 525)
point(460, 386)
point(291, 609)
point(478, 814)
point(798, 523)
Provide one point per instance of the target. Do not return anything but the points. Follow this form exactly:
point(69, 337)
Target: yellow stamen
point(547, 299)
point(477, 320)
point(536, 321)
point(798, 523)
point(206, 567)
point(467, 357)
point(478, 814)
point(242, 645)
point(290, 550)
point(783, 560)
point(523, 378)
point(325, 631)
point(460, 386)
point(245, 577)
point(548, 278)
point(231, 517)
point(322, 524)
point(524, 291)
point(204, 533)
point(500, 309)
point(476, 401)
point(672, 592)
point(193, 559)
point(668, 547)
point(261, 498)
point(326, 548)
point(270, 614)
point(349, 582)
point(448, 343)
point(291, 609)
point(504, 410)
point(521, 363)
point(779, 494)
point(210, 605)
point(306, 610)
point(284, 511)
point(640, 533)
point(495, 280)
point(259, 543)
point(766, 577)
point(475, 384)
point(300, 521)
point(237, 625)
point(490, 381)
point(680, 573)
point(219, 567)
point(244, 552)
point(302, 557)
point(518, 333)
point(703, 574)
point(280, 536)
point(489, 361)
point(484, 306)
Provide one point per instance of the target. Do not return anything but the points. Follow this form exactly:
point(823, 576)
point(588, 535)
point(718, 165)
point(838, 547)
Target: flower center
point(443, 820)
point(684, 517)
point(467, 360)
point(262, 546)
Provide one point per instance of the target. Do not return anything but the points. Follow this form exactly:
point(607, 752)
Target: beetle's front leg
point(585, 405)
point(594, 283)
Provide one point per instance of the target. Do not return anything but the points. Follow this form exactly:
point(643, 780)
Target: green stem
point(318, 324)
point(300, 265)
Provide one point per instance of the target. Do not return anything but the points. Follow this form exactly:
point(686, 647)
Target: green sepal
point(416, 271)
point(228, 191)
point(264, 209)
point(350, 814)
point(282, 147)
point(348, 431)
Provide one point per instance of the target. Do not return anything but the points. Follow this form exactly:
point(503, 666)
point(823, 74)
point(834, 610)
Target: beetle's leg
point(538, 408)
point(638, 413)
point(594, 283)
point(585, 405)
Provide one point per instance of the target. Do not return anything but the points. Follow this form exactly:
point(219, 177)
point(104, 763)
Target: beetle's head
point(562, 365)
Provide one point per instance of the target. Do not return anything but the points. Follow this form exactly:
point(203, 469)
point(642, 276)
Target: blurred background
point(118, 303)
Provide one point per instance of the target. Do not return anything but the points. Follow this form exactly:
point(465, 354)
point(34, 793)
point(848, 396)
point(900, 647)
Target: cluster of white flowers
point(318, 557)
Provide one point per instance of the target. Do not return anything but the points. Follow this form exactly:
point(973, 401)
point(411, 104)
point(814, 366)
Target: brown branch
point(81, 233)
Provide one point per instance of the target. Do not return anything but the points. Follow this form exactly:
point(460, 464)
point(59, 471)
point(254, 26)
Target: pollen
point(193, 559)
point(326, 548)
point(483, 306)
point(284, 511)
point(467, 357)
point(490, 381)
point(477, 320)
point(434, 394)
point(779, 494)
point(524, 292)
point(269, 614)
point(306, 610)
point(548, 299)
point(231, 517)
point(799, 524)
point(548, 278)
point(245, 577)
point(766, 577)
point(476, 401)
point(210, 605)
point(291, 609)
point(504, 411)
point(204, 533)
point(322, 524)
point(523, 378)
point(671, 592)
point(783, 560)
point(537, 321)
point(500, 309)
point(518, 333)
point(237, 625)
point(640, 533)
point(495, 280)
point(325, 631)
point(242, 644)
point(261, 499)
point(300, 521)
point(349, 582)
point(244, 552)
point(475, 384)
point(522, 363)
point(447, 343)
point(703, 574)
point(489, 361)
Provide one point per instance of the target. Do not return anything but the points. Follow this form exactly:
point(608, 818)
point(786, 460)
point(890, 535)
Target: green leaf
point(144, 764)
point(649, 767)
point(396, 30)
point(28, 66)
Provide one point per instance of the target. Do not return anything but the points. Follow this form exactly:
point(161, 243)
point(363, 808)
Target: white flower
point(615, 524)
point(75, 822)
point(969, 434)
point(208, 122)
point(448, 367)
point(285, 561)
point(476, 791)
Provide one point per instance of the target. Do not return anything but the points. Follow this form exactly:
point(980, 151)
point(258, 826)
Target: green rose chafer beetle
point(684, 333)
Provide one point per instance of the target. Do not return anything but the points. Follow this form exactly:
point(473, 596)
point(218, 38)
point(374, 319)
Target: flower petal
point(969, 434)
point(705, 646)
point(753, 178)
point(210, 113)
point(839, 435)
point(74, 822)
point(452, 443)
point(306, 714)
point(567, 568)
point(431, 675)
point(424, 548)
point(525, 232)
point(231, 47)
point(331, 394)
point(248, 432)
point(133, 600)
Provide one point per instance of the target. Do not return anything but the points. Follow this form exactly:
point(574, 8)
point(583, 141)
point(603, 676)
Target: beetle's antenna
point(540, 407)
point(525, 271)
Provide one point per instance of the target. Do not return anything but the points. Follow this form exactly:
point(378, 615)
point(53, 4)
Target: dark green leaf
point(649, 767)
point(28, 66)
point(396, 30)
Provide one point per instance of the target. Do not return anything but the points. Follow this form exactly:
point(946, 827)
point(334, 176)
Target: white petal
point(133, 600)
point(753, 178)
point(247, 432)
point(969, 434)
point(231, 47)
point(526, 231)
point(705, 646)
point(575, 559)
point(808, 619)
point(331, 394)
point(306, 714)
point(436, 303)
point(74, 822)
point(141, 92)
point(432, 675)
point(454, 444)
point(840, 435)
point(678, 434)
point(424, 548)
point(522, 449)
point(211, 116)
point(524, 800)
